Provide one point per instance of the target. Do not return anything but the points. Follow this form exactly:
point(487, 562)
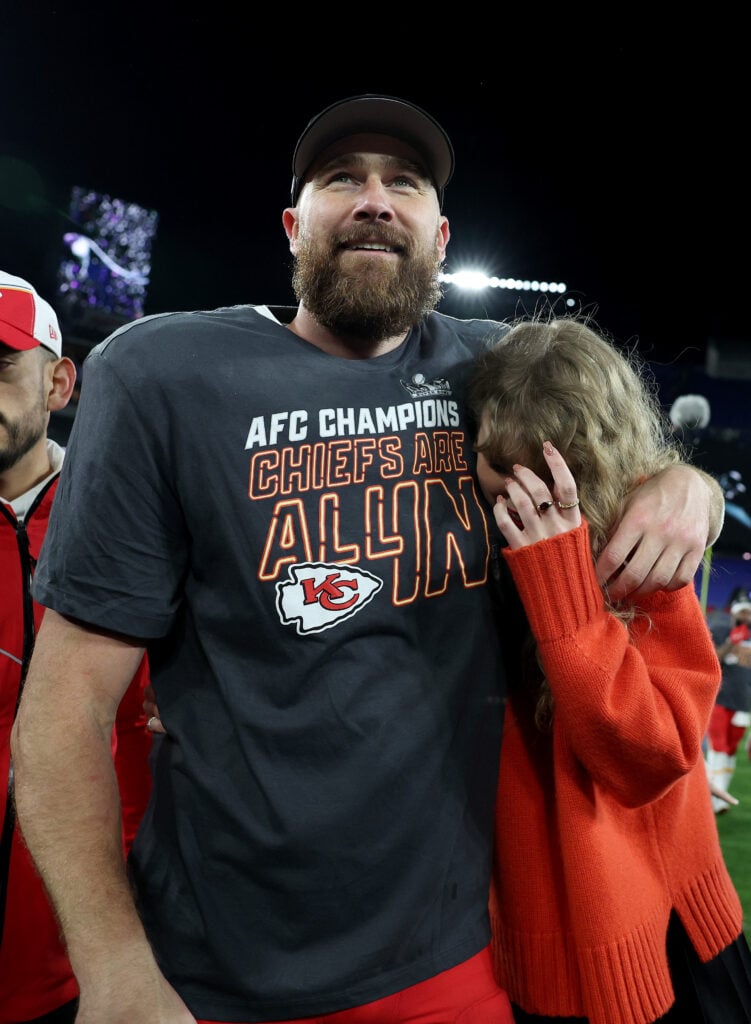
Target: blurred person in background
point(731, 714)
point(36, 980)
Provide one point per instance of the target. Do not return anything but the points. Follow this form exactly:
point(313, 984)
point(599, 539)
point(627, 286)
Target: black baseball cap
point(384, 115)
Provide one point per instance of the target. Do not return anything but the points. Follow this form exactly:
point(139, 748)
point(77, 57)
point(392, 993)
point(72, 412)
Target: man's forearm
point(716, 506)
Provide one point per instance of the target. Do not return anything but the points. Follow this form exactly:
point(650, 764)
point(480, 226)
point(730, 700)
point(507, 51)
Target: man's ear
point(444, 234)
point(60, 379)
point(291, 226)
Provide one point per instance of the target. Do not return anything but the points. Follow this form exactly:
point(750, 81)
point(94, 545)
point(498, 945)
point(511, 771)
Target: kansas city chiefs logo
point(318, 595)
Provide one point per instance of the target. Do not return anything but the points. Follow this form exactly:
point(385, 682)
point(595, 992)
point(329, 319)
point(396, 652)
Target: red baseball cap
point(26, 320)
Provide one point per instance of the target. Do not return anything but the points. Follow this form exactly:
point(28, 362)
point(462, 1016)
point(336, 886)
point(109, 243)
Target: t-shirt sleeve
point(115, 550)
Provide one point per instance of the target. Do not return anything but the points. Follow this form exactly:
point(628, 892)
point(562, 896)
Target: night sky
point(575, 162)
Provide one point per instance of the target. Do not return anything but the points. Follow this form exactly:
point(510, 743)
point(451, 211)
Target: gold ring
point(545, 505)
point(568, 504)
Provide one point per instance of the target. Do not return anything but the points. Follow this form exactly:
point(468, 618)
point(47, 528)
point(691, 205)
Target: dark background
point(611, 159)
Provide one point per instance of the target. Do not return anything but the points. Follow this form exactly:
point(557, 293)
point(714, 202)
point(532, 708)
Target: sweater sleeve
point(632, 704)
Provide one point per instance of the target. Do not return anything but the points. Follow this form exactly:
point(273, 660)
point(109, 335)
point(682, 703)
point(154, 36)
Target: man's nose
point(374, 203)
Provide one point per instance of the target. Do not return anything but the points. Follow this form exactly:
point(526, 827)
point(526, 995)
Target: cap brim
point(382, 115)
point(17, 339)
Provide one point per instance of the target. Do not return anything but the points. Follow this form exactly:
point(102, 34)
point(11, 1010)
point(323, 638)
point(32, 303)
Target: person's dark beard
point(22, 435)
point(371, 302)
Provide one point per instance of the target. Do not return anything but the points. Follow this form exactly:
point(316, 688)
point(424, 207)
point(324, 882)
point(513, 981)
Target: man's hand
point(145, 998)
point(151, 708)
point(660, 541)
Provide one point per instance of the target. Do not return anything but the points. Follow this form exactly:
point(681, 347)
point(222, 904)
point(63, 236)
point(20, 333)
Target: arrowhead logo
point(318, 595)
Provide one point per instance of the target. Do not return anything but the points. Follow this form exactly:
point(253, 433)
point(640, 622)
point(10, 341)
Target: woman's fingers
point(530, 512)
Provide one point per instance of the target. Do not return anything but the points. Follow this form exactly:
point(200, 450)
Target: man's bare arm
point(716, 505)
point(668, 523)
point(68, 809)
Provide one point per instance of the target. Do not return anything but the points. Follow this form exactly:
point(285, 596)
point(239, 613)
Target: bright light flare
point(476, 280)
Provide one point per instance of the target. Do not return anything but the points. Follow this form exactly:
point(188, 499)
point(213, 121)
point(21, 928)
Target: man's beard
point(21, 436)
point(376, 300)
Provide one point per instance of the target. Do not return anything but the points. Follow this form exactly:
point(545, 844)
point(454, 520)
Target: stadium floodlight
point(477, 280)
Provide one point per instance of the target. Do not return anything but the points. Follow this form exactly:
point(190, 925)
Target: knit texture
point(604, 823)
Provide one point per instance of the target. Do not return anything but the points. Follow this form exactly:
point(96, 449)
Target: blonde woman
point(610, 900)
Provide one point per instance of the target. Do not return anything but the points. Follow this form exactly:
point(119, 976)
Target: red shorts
point(466, 994)
point(723, 736)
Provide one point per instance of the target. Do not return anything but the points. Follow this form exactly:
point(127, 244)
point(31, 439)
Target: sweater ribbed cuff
point(557, 583)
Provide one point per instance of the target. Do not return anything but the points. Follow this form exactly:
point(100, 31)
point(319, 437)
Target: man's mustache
point(383, 234)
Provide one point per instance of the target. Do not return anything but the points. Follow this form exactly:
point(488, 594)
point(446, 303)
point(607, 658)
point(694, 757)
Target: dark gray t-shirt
point(301, 541)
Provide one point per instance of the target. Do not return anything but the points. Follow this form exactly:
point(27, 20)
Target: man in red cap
point(731, 714)
point(36, 980)
point(279, 504)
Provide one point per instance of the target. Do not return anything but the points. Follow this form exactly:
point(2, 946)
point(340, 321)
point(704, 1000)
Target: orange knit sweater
point(604, 824)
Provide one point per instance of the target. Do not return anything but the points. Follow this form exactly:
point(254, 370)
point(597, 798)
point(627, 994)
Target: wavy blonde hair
point(561, 379)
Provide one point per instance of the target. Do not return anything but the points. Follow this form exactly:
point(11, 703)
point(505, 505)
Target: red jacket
point(605, 824)
point(35, 976)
